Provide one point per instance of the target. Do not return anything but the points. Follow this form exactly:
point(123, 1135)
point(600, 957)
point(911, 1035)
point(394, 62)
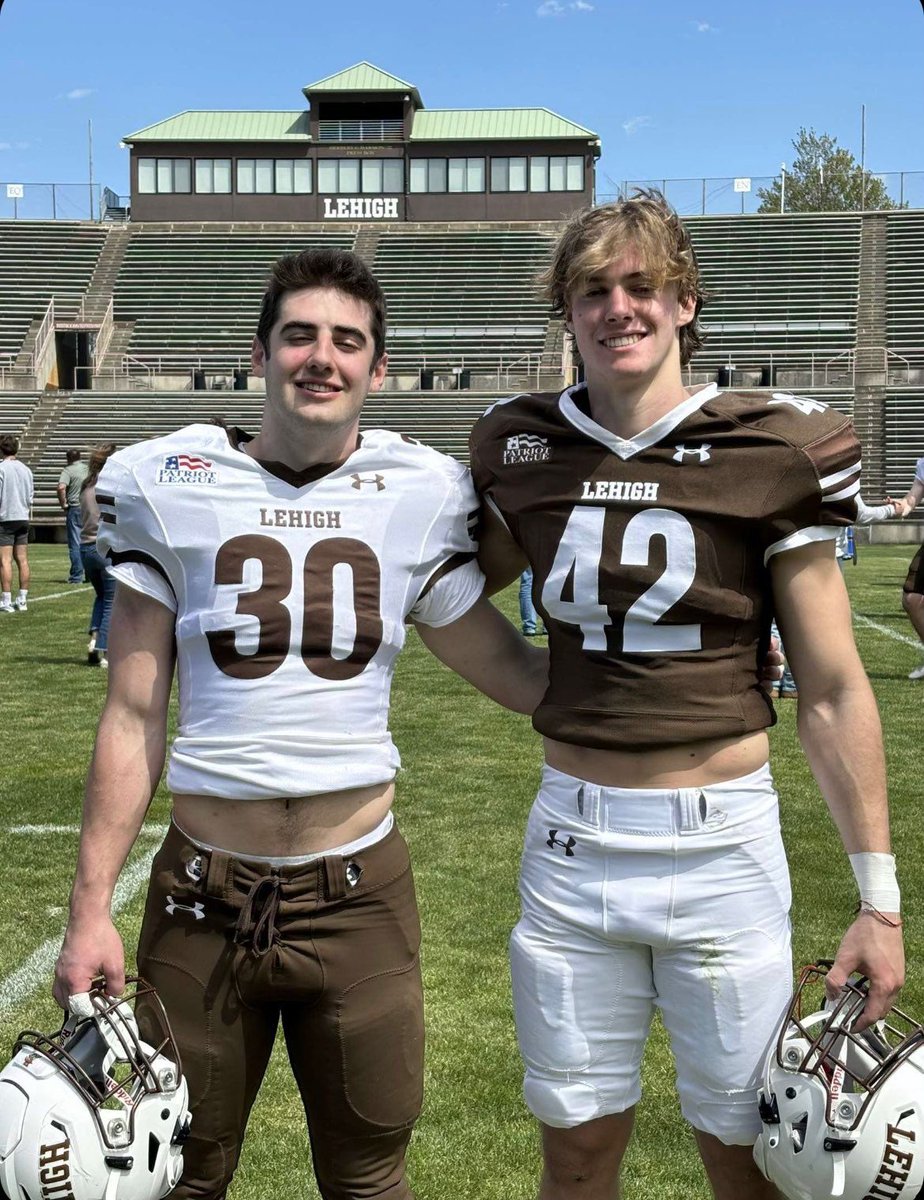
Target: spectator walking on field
point(69, 485)
point(913, 589)
point(16, 492)
point(95, 568)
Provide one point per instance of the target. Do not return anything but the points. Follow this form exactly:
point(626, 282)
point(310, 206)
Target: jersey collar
point(627, 448)
point(296, 479)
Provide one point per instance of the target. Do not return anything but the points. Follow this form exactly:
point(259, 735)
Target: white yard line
point(157, 831)
point(36, 971)
point(891, 633)
point(77, 590)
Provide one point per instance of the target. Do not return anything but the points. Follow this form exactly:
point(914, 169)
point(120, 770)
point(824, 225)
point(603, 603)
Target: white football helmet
point(94, 1112)
point(843, 1112)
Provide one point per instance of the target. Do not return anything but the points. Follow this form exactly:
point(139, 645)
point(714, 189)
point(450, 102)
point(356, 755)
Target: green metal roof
point(212, 126)
point(490, 124)
point(363, 77)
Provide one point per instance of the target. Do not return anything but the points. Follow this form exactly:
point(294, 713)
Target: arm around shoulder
point(484, 648)
point(499, 557)
point(127, 762)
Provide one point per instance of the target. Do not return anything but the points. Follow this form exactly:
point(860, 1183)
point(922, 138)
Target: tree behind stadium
point(824, 178)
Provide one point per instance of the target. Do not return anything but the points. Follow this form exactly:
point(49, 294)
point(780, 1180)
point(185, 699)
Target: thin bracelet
point(865, 907)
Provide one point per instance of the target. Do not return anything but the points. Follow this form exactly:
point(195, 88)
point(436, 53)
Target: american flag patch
point(186, 469)
point(186, 462)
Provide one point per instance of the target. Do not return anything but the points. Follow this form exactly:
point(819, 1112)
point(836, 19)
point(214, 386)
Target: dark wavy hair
point(338, 269)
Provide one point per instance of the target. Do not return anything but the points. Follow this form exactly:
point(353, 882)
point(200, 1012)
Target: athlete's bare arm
point(484, 648)
point(128, 759)
point(499, 557)
point(840, 732)
point(911, 499)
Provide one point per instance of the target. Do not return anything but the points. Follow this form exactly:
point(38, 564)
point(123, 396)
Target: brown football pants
point(331, 948)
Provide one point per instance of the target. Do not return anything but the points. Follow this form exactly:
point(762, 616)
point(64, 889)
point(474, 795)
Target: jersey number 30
point(578, 557)
point(322, 625)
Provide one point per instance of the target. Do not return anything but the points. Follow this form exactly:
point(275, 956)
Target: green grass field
point(470, 771)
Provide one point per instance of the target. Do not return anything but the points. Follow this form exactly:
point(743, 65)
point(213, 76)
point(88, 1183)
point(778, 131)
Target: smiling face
point(627, 329)
point(318, 368)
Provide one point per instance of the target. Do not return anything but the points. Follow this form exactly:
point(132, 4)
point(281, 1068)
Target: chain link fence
point(726, 195)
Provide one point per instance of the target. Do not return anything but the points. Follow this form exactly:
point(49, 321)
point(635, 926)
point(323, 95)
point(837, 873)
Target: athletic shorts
point(915, 580)
point(14, 533)
point(330, 949)
point(640, 899)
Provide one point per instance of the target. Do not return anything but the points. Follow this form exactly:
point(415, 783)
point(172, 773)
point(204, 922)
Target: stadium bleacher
point(793, 304)
point(463, 299)
point(40, 260)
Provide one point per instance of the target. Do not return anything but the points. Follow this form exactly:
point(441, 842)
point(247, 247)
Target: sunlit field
point(470, 771)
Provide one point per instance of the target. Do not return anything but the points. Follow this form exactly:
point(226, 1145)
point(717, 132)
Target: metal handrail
point(104, 337)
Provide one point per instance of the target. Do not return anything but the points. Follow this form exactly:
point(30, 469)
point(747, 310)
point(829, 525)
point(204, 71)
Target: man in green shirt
point(69, 485)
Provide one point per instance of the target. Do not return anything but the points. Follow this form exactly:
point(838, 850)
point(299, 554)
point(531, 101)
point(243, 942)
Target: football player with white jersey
point(913, 588)
point(273, 576)
point(664, 529)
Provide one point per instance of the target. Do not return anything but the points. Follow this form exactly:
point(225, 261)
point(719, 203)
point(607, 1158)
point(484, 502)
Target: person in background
point(69, 484)
point(530, 624)
point(95, 569)
point(913, 588)
point(16, 492)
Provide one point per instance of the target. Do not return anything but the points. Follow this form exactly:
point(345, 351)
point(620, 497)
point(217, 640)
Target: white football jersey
point(290, 595)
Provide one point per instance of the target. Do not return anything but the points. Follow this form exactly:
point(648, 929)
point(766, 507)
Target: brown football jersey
point(650, 556)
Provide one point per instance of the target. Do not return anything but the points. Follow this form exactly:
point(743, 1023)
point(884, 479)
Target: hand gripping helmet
point(843, 1112)
point(94, 1112)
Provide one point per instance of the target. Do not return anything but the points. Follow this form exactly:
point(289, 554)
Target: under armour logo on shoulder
point(700, 452)
point(358, 481)
point(197, 908)
point(567, 845)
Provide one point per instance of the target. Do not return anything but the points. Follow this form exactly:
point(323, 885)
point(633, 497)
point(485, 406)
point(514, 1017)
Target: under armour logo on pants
point(567, 845)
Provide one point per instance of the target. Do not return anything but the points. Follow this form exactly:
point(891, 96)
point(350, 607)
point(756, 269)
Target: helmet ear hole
point(153, 1148)
point(797, 1133)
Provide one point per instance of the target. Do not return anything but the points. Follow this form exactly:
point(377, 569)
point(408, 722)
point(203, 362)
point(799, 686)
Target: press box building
point(364, 149)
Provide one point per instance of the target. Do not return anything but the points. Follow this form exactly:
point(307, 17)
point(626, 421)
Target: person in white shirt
point(16, 492)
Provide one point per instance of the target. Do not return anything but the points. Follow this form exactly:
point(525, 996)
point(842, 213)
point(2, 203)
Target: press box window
point(161, 175)
point(557, 173)
point(383, 175)
point(508, 174)
point(213, 175)
point(466, 174)
point(428, 175)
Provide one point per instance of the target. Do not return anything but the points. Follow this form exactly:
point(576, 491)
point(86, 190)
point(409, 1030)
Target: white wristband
point(875, 876)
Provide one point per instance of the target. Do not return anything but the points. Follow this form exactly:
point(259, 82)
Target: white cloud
point(554, 8)
point(634, 124)
point(704, 27)
point(79, 93)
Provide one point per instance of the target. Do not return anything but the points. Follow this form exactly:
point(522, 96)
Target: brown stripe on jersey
point(103, 499)
point(451, 563)
point(108, 519)
point(128, 556)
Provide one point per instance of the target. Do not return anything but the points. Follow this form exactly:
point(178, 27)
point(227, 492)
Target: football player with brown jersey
point(273, 576)
point(664, 529)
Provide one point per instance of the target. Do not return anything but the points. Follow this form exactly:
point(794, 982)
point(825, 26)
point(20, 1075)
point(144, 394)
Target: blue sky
point(674, 89)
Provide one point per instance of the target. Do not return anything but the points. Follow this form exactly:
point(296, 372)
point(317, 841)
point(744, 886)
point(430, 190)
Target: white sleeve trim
point(142, 578)
point(450, 597)
point(494, 509)
point(802, 537)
